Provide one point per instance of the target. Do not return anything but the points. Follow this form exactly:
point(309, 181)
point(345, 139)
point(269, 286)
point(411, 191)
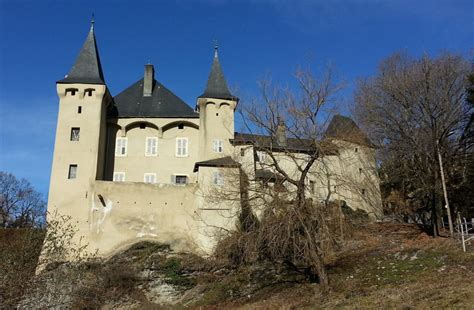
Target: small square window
point(181, 126)
point(142, 125)
point(217, 146)
point(72, 172)
point(79, 110)
point(180, 179)
point(363, 192)
point(119, 176)
point(242, 152)
point(218, 178)
point(149, 178)
point(75, 131)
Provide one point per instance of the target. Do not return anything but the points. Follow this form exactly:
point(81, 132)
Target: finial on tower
point(216, 47)
point(92, 22)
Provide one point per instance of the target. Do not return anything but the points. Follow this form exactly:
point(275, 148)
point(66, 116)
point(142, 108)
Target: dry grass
point(386, 266)
point(19, 252)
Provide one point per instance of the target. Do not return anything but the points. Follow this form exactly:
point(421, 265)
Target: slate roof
point(216, 84)
point(162, 103)
point(344, 128)
point(87, 68)
point(227, 162)
point(292, 144)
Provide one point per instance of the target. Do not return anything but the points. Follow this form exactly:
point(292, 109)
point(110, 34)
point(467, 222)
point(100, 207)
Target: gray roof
point(216, 84)
point(344, 128)
point(162, 103)
point(227, 162)
point(87, 69)
point(292, 144)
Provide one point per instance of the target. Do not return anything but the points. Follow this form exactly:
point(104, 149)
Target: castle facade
point(143, 165)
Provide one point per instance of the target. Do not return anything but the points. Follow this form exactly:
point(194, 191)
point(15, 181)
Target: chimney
point(281, 132)
point(148, 80)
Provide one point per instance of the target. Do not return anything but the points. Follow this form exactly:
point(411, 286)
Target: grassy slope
point(382, 266)
point(387, 266)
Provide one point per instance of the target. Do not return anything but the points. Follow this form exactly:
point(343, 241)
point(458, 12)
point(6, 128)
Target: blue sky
point(39, 41)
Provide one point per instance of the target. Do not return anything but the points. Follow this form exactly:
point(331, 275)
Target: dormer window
point(71, 91)
point(88, 92)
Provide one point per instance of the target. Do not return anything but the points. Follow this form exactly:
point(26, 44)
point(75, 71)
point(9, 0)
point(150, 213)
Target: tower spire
point(87, 68)
point(216, 47)
point(92, 22)
point(216, 84)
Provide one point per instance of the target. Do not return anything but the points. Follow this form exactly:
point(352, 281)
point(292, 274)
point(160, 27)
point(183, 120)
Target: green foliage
point(173, 271)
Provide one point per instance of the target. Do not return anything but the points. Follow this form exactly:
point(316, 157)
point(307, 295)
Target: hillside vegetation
point(384, 265)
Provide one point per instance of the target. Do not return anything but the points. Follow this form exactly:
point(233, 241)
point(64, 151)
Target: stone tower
point(216, 108)
point(80, 134)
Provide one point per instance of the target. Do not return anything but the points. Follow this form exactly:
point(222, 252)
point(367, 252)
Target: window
point(217, 146)
point(356, 150)
point(363, 192)
point(75, 133)
point(218, 178)
point(360, 170)
point(181, 126)
point(79, 110)
point(242, 152)
point(119, 176)
point(181, 147)
point(121, 147)
point(151, 148)
point(142, 125)
point(261, 156)
point(71, 91)
point(180, 179)
point(149, 178)
point(72, 172)
point(88, 92)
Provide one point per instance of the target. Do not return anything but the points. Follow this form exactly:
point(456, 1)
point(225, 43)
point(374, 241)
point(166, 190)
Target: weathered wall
point(130, 212)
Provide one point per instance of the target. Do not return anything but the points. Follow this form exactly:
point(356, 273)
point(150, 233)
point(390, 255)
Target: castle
point(142, 165)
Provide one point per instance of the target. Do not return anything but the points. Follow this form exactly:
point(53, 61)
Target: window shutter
point(154, 146)
point(118, 146)
point(124, 146)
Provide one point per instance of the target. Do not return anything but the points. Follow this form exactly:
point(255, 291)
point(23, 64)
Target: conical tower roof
point(87, 69)
point(216, 84)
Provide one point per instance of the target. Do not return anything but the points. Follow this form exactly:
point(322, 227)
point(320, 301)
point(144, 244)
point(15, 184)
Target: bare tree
point(20, 204)
point(416, 110)
point(279, 219)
